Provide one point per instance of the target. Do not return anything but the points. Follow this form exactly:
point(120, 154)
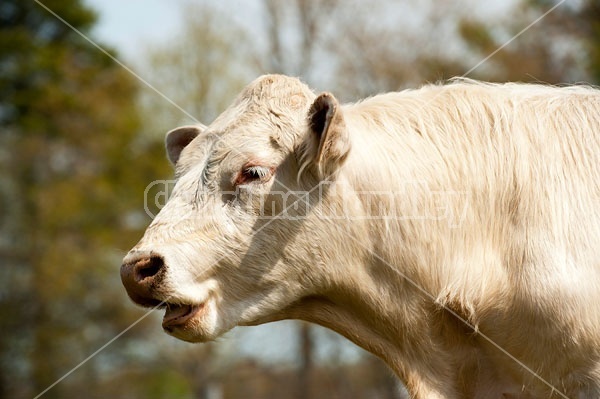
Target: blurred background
point(81, 137)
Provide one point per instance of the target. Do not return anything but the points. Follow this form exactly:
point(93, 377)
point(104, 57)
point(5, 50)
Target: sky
point(132, 24)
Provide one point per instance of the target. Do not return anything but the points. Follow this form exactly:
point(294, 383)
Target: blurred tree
point(585, 23)
point(396, 45)
point(297, 33)
point(562, 44)
point(359, 48)
point(574, 28)
point(69, 135)
point(201, 69)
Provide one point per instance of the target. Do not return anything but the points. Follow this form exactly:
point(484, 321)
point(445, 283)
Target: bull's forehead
point(270, 103)
point(277, 89)
point(267, 117)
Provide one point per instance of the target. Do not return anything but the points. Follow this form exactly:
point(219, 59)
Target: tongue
point(177, 315)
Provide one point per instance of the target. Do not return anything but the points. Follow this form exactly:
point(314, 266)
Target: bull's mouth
point(178, 316)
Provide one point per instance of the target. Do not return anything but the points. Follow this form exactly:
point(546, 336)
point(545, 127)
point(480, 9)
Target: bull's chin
point(191, 323)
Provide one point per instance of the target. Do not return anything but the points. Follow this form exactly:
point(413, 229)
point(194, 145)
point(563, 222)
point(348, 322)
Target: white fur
point(515, 166)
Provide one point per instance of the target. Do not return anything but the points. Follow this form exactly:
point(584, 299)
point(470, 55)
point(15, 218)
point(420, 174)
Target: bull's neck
point(381, 313)
point(375, 290)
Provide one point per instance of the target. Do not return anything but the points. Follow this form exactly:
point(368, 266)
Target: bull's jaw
point(192, 323)
point(208, 319)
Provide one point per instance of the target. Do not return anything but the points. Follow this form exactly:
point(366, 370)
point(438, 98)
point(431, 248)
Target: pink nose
point(141, 274)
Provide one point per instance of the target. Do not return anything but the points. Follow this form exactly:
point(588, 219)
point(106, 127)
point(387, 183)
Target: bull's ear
point(178, 138)
point(329, 136)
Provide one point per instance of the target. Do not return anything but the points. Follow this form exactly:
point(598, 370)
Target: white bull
point(454, 231)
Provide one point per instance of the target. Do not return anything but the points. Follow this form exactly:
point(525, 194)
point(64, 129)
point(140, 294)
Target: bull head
point(235, 244)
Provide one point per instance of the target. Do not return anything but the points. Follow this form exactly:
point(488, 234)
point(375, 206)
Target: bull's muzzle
point(141, 273)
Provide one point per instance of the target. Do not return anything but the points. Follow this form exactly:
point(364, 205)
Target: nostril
point(148, 267)
point(141, 273)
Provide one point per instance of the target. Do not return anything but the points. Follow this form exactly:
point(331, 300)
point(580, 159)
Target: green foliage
point(70, 133)
point(30, 39)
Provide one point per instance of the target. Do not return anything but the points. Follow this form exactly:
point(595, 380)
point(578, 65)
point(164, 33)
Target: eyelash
point(254, 173)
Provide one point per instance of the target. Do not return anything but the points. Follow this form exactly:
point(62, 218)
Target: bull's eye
point(254, 173)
